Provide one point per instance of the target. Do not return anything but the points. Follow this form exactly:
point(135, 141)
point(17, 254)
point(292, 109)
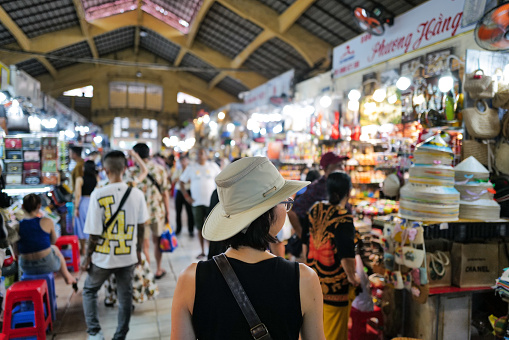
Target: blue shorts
point(48, 264)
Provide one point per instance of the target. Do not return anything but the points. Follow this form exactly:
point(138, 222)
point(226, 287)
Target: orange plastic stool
point(37, 292)
point(360, 330)
point(71, 240)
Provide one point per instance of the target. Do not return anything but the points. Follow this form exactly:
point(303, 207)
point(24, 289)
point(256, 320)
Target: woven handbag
point(502, 157)
point(481, 124)
point(501, 98)
point(476, 83)
point(505, 125)
point(481, 151)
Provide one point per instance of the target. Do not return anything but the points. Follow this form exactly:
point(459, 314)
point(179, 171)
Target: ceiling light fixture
point(405, 81)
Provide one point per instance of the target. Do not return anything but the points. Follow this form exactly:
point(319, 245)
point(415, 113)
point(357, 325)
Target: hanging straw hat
point(246, 189)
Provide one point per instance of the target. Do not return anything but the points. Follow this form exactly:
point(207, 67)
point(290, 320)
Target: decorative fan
point(372, 21)
point(492, 31)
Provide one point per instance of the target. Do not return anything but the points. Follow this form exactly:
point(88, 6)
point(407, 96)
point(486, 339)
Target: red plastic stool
point(71, 240)
point(360, 330)
point(37, 292)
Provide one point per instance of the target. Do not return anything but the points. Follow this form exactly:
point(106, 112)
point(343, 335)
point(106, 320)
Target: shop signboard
point(427, 24)
point(276, 87)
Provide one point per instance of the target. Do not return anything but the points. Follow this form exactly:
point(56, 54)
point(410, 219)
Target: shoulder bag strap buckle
point(259, 332)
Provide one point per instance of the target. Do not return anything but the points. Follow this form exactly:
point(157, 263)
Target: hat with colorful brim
point(435, 143)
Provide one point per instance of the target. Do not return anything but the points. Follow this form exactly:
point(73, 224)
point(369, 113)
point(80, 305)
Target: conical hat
point(435, 143)
point(471, 165)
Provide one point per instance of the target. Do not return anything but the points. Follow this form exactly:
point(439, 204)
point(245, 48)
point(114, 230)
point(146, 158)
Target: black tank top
point(272, 286)
point(89, 184)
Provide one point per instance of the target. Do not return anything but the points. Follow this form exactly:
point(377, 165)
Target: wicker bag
point(505, 125)
point(481, 124)
point(501, 98)
point(481, 151)
point(502, 157)
point(478, 85)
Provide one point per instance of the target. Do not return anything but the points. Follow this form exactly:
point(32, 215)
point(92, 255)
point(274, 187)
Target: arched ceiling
point(233, 45)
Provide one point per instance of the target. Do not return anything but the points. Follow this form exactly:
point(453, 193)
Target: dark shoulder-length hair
point(339, 185)
point(257, 235)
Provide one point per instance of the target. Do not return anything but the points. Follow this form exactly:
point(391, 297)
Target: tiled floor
point(150, 320)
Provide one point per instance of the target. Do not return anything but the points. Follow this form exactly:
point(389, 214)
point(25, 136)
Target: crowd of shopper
point(122, 205)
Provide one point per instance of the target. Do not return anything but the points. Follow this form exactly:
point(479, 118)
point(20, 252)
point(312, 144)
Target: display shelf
point(455, 290)
point(369, 183)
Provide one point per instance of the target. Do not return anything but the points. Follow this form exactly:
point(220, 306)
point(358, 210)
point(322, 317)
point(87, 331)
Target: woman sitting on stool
point(37, 235)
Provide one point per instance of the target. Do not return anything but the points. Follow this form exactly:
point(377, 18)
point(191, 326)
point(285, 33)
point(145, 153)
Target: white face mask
point(303, 177)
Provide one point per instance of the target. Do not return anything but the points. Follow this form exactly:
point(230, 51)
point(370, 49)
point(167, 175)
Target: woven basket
point(505, 125)
point(476, 149)
point(502, 157)
point(476, 83)
point(501, 98)
point(481, 124)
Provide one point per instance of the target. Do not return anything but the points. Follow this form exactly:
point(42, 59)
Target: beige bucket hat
point(246, 188)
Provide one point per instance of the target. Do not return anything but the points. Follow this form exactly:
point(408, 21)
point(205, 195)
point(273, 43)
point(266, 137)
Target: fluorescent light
point(278, 128)
point(354, 95)
point(173, 141)
point(392, 99)
point(446, 82)
point(379, 95)
point(166, 141)
point(206, 119)
point(403, 83)
point(221, 115)
point(325, 101)
point(230, 127)
point(419, 99)
point(99, 139)
point(17, 191)
point(353, 105)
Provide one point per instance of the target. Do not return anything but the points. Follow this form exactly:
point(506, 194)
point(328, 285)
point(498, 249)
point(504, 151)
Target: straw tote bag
point(505, 125)
point(478, 85)
point(481, 124)
point(502, 157)
point(501, 98)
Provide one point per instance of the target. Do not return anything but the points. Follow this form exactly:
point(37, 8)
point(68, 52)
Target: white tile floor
point(150, 320)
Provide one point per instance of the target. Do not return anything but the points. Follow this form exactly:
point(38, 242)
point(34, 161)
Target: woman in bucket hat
point(253, 201)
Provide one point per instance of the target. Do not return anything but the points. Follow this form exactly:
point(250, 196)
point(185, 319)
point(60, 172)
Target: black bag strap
point(258, 329)
point(153, 180)
point(114, 216)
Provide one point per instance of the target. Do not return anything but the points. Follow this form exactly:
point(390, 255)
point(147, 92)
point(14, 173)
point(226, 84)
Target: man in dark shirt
point(315, 192)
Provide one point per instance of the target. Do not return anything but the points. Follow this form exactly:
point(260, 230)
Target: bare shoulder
point(189, 273)
point(307, 273)
point(185, 290)
point(46, 224)
point(46, 221)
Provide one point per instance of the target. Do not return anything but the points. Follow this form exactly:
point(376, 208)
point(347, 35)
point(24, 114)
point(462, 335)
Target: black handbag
point(258, 329)
point(5, 200)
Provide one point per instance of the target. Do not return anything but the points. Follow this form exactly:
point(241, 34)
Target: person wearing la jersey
point(116, 249)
